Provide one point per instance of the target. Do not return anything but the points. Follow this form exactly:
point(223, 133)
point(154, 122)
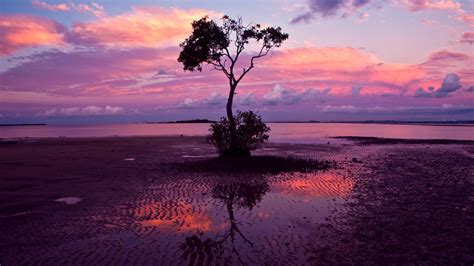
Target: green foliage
point(251, 133)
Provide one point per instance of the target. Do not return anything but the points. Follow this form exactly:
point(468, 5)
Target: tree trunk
point(230, 116)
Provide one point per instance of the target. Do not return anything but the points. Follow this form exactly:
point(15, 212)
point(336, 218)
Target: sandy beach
point(169, 200)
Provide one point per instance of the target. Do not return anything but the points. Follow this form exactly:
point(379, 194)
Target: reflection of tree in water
point(240, 195)
point(233, 195)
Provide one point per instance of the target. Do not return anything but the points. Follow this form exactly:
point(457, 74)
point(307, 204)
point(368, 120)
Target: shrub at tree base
point(251, 133)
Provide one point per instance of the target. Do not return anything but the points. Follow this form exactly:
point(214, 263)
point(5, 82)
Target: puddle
point(69, 200)
point(249, 221)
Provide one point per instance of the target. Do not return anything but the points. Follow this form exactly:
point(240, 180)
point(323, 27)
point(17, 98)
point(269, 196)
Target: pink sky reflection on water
point(280, 132)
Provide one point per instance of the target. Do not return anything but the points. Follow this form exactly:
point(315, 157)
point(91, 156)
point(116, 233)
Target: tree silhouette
point(211, 44)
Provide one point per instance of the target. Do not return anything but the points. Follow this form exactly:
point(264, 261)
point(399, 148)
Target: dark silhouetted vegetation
point(251, 132)
point(221, 47)
point(255, 165)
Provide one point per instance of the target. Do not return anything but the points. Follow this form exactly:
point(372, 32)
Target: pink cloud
point(417, 5)
point(341, 58)
point(51, 7)
point(139, 27)
point(467, 37)
point(443, 62)
point(450, 5)
point(467, 18)
point(99, 71)
point(152, 77)
point(445, 55)
point(142, 26)
point(20, 31)
point(94, 8)
point(344, 65)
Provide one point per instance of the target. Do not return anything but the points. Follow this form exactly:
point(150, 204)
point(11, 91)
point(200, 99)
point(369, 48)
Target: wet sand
point(168, 200)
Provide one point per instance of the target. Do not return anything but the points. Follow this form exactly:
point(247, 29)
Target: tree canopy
point(211, 44)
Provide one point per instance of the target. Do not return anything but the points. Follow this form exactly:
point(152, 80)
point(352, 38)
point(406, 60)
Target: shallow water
point(280, 132)
point(248, 221)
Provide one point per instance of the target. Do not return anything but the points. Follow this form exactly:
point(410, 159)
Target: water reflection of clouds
point(186, 218)
point(240, 219)
point(314, 185)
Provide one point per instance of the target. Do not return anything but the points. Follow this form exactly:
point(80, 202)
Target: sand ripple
point(200, 219)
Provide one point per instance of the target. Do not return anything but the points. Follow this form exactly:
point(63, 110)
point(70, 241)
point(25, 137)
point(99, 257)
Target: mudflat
point(170, 200)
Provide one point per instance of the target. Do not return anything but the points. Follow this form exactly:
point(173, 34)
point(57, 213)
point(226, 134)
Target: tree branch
point(227, 53)
point(263, 52)
point(221, 67)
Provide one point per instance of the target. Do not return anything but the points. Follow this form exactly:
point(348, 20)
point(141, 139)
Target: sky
point(111, 61)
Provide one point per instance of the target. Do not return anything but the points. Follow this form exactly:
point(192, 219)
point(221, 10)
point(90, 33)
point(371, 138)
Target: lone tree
point(221, 47)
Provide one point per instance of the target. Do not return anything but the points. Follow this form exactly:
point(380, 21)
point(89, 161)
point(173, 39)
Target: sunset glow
point(357, 60)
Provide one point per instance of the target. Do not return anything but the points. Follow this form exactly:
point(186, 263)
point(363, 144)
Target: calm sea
point(280, 132)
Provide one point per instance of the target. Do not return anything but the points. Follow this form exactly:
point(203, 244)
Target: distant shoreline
point(22, 125)
point(419, 123)
point(192, 121)
point(467, 123)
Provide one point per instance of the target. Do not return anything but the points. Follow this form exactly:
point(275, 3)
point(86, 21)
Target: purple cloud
point(421, 93)
point(356, 91)
point(86, 111)
point(467, 37)
point(447, 55)
point(281, 95)
point(213, 100)
point(451, 83)
point(248, 99)
point(327, 8)
point(98, 71)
